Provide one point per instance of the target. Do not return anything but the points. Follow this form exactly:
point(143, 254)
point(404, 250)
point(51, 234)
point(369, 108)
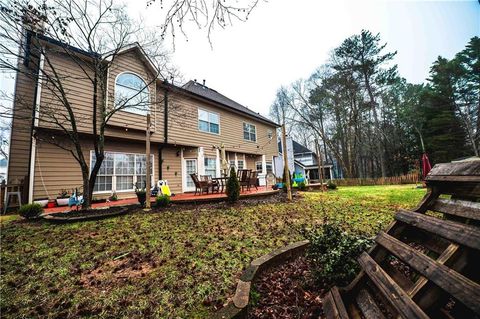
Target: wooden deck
point(183, 198)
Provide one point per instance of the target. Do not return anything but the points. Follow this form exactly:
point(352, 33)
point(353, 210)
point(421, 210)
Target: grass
point(170, 264)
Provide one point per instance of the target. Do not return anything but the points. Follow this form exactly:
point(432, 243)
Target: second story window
point(208, 122)
point(249, 132)
point(131, 94)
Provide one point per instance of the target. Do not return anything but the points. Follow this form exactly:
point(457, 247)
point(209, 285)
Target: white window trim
point(243, 132)
point(198, 121)
point(148, 93)
point(114, 176)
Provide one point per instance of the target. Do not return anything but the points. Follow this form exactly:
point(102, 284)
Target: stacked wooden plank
point(427, 263)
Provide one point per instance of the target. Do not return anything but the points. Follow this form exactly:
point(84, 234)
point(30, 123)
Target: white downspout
point(35, 124)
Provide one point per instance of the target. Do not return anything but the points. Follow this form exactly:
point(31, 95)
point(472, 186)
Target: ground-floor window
point(259, 167)
point(240, 164)
point(211, 166)
point(269, 166)
point(121, 171)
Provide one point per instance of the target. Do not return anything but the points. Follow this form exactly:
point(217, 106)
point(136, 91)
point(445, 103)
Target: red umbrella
point(426, 167)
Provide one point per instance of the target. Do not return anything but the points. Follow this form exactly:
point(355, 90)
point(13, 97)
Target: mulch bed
point(86, 214)
point(286, 292)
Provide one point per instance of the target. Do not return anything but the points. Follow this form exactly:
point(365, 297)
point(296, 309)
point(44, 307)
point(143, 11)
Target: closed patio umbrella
point(223, 158)
point(426, 167)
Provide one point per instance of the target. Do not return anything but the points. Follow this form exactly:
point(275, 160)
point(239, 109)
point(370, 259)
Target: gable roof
point(211, 94)
point(297, 148)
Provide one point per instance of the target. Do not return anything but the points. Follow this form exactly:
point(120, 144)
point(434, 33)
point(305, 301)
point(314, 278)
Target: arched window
point(131, 94)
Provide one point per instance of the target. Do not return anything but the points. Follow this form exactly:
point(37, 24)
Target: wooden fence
point(411, 178)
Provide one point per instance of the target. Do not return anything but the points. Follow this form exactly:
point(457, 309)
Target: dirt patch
point(286, 292)
point(117, 271)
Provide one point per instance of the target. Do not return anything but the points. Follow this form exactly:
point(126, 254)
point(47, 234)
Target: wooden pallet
point(427, 263)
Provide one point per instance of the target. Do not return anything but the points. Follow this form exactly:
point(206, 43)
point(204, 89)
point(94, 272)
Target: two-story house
point(189, 125)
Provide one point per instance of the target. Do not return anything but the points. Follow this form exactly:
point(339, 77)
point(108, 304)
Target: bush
point(162, 200)
point(302, 186)
point(233, 187)
point(333, 254)
point(331, 185)
point(30, 211)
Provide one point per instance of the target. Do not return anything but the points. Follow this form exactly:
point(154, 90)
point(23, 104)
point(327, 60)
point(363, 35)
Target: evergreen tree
point(233, 186)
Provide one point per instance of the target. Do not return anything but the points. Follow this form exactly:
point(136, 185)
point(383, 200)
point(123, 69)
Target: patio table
point(222, 181)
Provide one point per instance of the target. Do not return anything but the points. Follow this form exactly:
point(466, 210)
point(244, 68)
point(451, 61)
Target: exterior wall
point(130, 61)
point(19, 158)
point(183, 128)
point(77, 87)
point(56, 169)
point(172, 168)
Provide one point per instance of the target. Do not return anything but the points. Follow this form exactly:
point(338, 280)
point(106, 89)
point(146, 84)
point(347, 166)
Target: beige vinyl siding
point(172, 168)
point(19, 157)
point(77, 87)
point(131, 62)
point(183, 130)
point(56, 169)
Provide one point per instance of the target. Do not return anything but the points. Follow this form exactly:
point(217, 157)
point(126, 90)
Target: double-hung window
point(208, 121)
point(269, 166)
point(104, 179)
point(121, 171)
point(211, 166)
point(240, 164)
point(259, 167)
point(249, 132)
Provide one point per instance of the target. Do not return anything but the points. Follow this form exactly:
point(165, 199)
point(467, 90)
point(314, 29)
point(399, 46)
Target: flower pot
point(142, 198)
point(41, 201)
point(62, 201)
point(51, 204)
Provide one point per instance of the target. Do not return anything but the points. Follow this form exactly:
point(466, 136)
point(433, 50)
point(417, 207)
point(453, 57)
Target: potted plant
point(63, 197)
point(41, 201)
point(113, 197)
point(141, 195)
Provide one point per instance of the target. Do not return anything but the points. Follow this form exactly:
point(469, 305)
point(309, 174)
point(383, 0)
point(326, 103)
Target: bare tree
point(91, 34)
point(203, 14)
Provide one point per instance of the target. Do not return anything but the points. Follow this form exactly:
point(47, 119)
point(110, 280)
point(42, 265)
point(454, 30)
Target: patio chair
point(199, 185)
point(244, 178)
point(253, 179)
point(211, 183)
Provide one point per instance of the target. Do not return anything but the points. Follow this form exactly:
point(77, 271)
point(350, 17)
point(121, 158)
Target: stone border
point(238, 307)
point(61, 219)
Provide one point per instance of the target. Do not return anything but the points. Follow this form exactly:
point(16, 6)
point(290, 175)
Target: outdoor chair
point(211, 183)
point(199, 185)
point(253, 179)
point(244, 178)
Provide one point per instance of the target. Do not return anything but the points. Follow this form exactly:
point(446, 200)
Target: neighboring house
point(188, 128)
point(304, 161)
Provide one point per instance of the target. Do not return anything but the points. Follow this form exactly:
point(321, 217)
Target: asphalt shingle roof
point(213, 95)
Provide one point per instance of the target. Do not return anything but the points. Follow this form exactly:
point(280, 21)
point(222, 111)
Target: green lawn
point(177, 264)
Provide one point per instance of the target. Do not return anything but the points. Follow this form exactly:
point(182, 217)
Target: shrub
point(302, 186)
point(331, 185)
point(333, 254)
point(30, 211)
point(233, 187)
point(162, 200)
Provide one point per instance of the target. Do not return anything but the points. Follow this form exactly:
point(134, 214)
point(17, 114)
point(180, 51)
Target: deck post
point(285, 163)
point(148, 179)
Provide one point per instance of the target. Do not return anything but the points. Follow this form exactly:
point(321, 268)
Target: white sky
point(286, 40)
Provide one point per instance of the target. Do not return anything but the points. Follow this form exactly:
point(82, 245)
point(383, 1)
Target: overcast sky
point(286, 40)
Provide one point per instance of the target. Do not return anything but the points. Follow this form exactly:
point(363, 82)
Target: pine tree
point(233, 186)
